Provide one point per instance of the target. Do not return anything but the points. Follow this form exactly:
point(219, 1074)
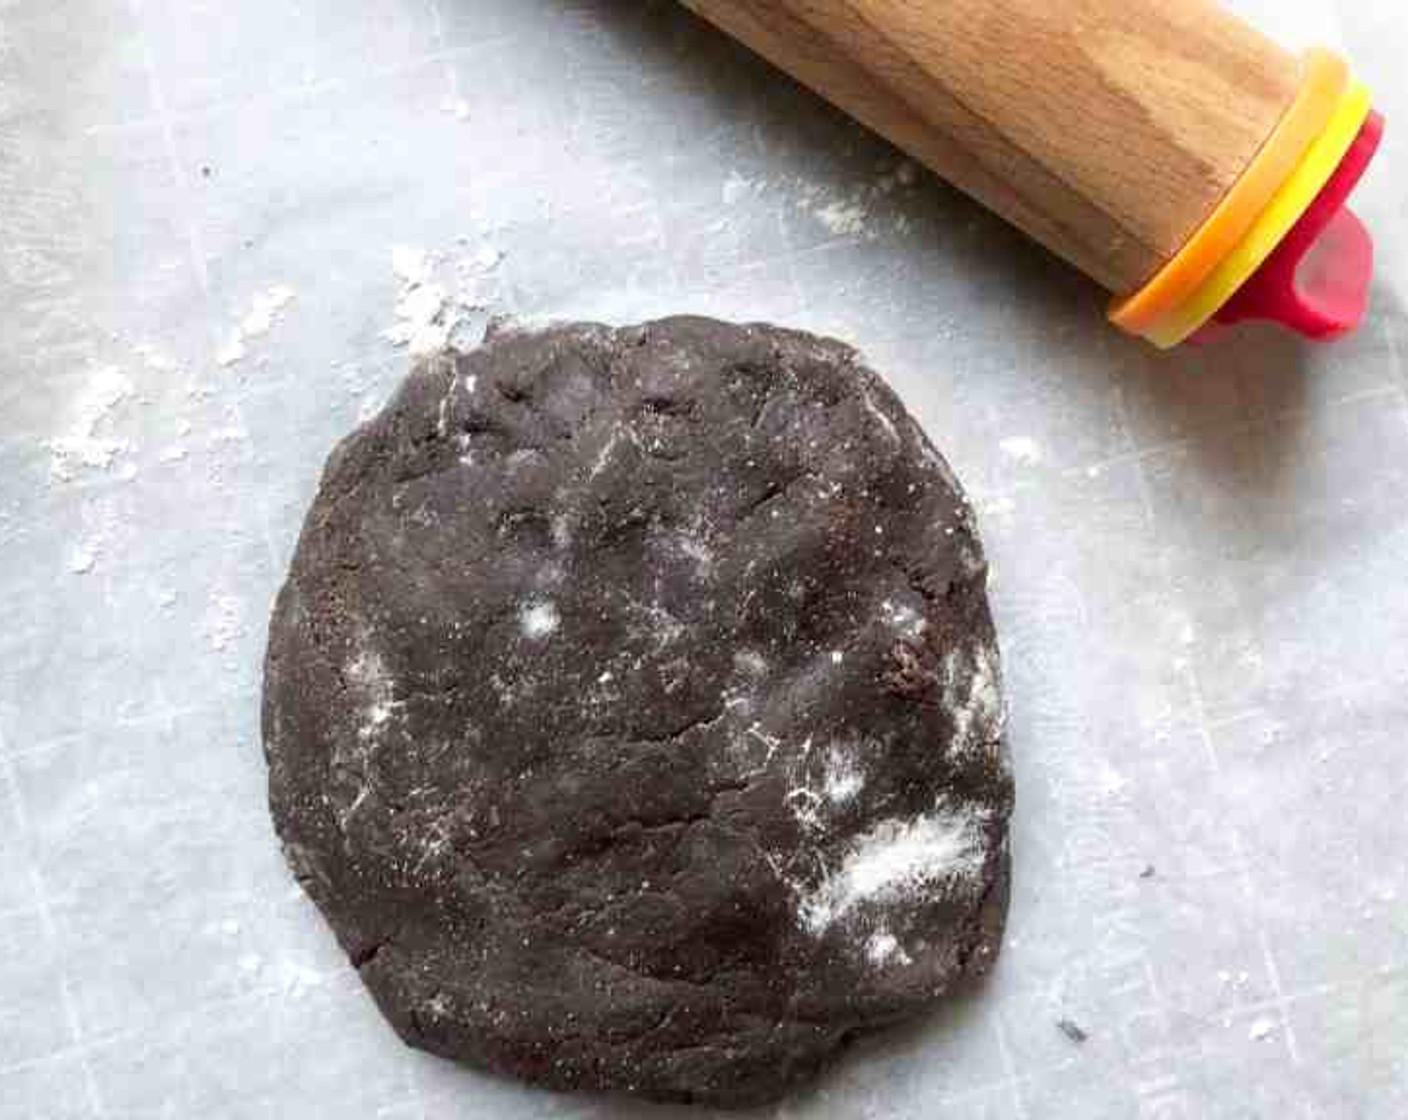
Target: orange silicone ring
point(1326, 76)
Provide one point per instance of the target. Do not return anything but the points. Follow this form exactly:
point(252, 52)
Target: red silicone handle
point(1316, 282)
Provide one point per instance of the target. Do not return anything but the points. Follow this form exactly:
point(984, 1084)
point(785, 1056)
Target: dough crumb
point(1072, 1030)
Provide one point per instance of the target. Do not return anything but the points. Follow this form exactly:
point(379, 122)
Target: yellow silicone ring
point(1280, 215)
point(1322, 87)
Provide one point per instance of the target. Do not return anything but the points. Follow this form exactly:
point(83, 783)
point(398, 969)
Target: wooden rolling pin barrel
point(1164, 147)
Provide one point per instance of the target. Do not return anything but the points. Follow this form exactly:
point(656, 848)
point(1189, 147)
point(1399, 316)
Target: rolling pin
point(1165, 148)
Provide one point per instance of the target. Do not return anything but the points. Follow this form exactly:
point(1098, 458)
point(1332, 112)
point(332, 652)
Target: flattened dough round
point(633, 710)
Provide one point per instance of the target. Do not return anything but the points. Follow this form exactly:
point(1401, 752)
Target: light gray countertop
point(1198, 559)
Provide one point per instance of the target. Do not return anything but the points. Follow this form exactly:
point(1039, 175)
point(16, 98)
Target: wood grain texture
point(1106, 130)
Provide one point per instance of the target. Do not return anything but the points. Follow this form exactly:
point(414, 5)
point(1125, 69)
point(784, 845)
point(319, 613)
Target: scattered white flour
point(368, 671)
point(1241, 980)
point(853, 210)
point(538, 620)
point(695, 548)
point(604, 455)
point(424, 317)
point(439, 1005)
point(895, 859)
point(561, 530)
point(368, 675)
point(883, 948)
point(845, 219)
point(549, 575)
point(1023, 450)
point(843, 778)
point(427, 312)
point(411, 265)
point(996, 505)
point(82, 559)
point(233, 351)
point(483, 260)
point(851, 215)
point(751, 662)
point(250, 963)
point(377, 716)
point(665, 628)
point(772, 742)
point(173, 454)
point(223, 622)
point(903, 618)
point(1261, 1029)
point(230, 433)
point(153, 358)
point(735, 187)
point(85, 447)
point(294, 981)
point(264, 311)
point(885, 421)
point(806, 806)
point(1109, 781)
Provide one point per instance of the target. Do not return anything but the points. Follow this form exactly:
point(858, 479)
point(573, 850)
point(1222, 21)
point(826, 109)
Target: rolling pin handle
point(1316, 282)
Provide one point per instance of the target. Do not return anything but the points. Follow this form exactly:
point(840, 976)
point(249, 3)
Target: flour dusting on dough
point(973, 695)
point(884, 421)
point(893, 862)
point(696, 549)
point(904, 618)
point(751, 662)
point(538, 620)
point(843, 778)
point(884, 948)
point(368, 674)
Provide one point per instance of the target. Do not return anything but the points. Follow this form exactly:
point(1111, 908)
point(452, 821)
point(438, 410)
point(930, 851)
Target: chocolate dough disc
point(633, 710)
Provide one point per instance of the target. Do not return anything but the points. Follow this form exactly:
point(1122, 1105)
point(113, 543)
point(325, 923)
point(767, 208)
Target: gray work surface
point(1198, 560)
